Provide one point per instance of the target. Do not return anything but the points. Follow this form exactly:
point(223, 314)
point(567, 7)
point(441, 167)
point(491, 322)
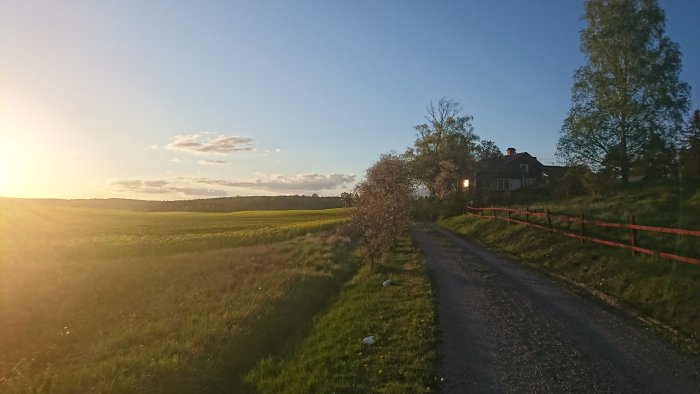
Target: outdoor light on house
point(511, 171)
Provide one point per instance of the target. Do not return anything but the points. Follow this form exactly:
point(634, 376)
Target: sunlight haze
point(179, 100)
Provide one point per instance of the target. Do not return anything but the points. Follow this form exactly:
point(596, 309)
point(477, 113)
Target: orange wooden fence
point(582, 222)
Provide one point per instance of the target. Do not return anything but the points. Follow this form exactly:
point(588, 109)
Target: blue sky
point(174, 100)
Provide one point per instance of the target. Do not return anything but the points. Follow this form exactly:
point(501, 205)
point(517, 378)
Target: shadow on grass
point(281, 324)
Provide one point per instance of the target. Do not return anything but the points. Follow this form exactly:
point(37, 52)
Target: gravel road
point(506, 328)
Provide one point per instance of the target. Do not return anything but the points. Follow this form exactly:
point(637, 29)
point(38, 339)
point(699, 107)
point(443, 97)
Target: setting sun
point(11, 165)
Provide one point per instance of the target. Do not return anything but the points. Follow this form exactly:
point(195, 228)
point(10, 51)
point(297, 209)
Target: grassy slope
point(658, 204)
point(155, 319)
point(333, 359)
point(662, 289)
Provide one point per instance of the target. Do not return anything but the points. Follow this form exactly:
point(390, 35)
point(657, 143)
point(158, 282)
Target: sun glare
point(15, 170)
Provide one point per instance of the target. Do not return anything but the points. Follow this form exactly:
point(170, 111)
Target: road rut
point(506, 328)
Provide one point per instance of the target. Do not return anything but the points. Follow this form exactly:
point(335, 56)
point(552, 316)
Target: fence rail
point(582, 222)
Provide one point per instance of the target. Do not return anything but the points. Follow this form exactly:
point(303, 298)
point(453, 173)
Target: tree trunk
point(624, 158)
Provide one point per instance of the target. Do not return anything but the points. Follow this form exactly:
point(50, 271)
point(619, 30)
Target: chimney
point(511, 151)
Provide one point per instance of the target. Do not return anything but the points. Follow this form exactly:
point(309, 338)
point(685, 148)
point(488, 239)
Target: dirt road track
point(506, 328)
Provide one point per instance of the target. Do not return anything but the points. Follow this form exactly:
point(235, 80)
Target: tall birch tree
point(629, 92)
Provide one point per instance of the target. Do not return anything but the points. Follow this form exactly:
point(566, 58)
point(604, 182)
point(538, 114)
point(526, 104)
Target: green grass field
point(95, 300)
point(42, 229)
point(101, 300)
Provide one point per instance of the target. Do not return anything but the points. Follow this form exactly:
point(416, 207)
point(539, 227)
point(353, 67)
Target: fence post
point(493, 207)
point(549, 219)
point(633, 235)
point(527, 215)
point(508, 212)
point(583, 227)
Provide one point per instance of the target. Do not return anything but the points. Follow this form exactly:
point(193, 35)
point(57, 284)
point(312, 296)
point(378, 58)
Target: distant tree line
point(223, 204)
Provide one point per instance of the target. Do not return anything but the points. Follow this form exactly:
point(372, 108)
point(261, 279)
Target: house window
point(502, 184)
point(524, 167)
point(529, 181)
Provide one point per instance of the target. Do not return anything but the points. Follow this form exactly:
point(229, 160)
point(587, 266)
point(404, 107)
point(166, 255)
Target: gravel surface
point(506, 328)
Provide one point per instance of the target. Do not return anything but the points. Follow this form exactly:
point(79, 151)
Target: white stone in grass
point(387, 282)
point(369, 340)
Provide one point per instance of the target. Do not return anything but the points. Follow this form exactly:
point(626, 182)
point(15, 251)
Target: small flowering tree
point(382, 207)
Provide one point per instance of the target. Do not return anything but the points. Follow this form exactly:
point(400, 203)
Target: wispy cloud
point(200, 192)
point(161, 186)
point(208, 187)
point(310, 183)
point(154, 183)
point(128, 184)
point(205, 143)
point(212, 162)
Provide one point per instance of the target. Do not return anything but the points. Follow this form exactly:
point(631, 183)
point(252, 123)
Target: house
point(552, 173)
point(510, 172)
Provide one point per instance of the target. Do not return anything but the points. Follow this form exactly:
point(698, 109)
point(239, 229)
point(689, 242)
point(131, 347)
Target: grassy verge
point(332, 358)
point(663, 290)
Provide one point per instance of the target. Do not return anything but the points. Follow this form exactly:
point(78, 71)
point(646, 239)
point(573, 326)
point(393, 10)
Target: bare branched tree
point(438, 113)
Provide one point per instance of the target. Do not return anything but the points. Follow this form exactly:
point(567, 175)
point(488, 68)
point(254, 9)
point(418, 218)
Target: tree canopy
point(690, 152)
point(487, 150)
point(628, 96)
point(446, 148)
